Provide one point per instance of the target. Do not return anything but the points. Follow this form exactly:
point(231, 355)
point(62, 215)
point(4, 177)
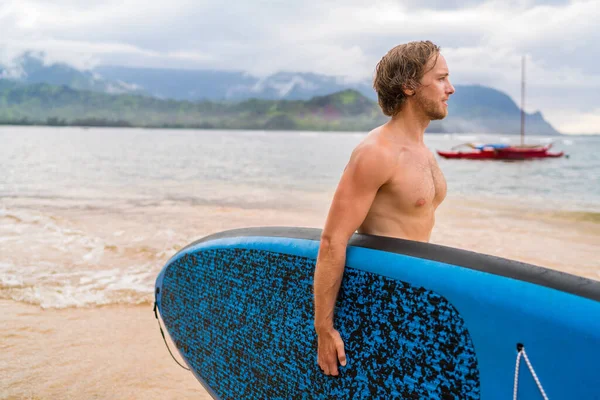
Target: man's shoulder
point(373, 160)
point(372, 150)
point(379, 146)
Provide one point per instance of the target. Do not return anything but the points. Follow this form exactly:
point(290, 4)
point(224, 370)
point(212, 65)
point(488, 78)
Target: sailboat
point(501, 151)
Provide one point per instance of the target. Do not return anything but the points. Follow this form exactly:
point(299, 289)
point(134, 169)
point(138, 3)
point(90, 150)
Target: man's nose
point(450, 88)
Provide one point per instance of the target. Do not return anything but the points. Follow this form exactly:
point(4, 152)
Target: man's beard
point(433, 110)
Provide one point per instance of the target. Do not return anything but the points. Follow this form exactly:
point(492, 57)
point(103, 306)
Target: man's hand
point(331, 350)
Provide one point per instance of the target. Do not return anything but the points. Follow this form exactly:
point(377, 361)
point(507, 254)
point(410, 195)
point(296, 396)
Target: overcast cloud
point(483, 41)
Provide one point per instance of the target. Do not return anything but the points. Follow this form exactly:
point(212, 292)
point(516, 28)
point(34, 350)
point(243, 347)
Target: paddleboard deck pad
point(419, 321)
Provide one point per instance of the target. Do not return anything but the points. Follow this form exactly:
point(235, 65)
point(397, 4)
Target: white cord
point(521, 351)
point(516, 384)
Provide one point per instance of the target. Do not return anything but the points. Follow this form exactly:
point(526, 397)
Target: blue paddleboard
point(419, 321)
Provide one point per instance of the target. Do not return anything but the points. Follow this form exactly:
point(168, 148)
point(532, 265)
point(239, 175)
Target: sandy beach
point(116, 351)
point(52, 351)
point(111, 352)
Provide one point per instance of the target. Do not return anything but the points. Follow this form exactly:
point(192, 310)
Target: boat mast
point(523, 100)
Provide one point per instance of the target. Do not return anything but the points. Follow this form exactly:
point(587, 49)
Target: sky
point(482, 41)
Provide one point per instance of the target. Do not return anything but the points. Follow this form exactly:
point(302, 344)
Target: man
point(392, 184)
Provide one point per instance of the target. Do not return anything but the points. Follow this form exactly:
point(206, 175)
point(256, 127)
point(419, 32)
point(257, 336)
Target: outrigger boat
point(501, 152)
point(491, 151)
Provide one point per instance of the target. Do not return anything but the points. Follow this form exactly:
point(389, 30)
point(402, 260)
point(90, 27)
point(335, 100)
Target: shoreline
point(110, 255)
point(319, 129)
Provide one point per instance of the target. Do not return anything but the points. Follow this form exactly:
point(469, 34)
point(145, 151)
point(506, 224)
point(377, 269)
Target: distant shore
point(107, 123)
point(326, 126)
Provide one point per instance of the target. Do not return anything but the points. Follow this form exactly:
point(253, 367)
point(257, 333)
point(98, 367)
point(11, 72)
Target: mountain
point(179, 84)
point(347, 110)
point(485, 110)
point(30, 68)
point(229, 85)
point(62, 105)
point(471, 109)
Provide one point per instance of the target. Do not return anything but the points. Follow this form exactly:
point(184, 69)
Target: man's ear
point(408, 91)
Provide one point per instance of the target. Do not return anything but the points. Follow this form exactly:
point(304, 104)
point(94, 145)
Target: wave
point(80, 288)
point(58, 262)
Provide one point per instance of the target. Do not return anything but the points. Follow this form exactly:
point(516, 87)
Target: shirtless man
point(392, 184)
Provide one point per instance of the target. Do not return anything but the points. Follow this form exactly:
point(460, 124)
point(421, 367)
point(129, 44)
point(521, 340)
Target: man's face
point(435, 89)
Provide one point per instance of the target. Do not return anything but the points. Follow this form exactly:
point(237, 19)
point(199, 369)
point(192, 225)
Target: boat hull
point(509, 153)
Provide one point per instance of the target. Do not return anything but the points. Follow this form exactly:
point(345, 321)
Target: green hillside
point(478, 109)
point(61, 105)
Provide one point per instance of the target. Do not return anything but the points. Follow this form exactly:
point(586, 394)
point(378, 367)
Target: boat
point(502, 151)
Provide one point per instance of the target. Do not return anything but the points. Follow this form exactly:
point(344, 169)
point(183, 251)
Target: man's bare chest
point(418, 185)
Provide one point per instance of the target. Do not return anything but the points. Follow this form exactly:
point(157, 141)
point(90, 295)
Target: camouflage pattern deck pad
point(243, 320)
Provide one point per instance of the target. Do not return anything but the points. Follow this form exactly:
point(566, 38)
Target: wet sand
point(116, 351)
point(112, 352)
point(567, 241)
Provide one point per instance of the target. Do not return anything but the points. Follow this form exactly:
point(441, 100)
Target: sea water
point(89, 216)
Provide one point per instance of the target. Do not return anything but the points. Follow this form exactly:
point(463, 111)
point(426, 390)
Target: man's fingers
point(328, 369)
point(330, 351)
point(334, 370)
point(340, 352)
point(329, 366)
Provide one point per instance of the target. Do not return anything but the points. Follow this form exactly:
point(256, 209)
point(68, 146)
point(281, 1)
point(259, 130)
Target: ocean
point(89, 216)
point(201, 167)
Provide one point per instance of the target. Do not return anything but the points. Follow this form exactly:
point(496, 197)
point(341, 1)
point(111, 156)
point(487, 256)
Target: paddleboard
point(419, 321)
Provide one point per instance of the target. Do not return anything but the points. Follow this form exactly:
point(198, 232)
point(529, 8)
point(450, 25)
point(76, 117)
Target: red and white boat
point(501, 152)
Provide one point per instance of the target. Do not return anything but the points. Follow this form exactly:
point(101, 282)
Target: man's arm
point(370, 167)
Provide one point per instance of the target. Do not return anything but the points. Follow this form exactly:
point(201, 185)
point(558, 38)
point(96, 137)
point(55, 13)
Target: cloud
point(483, 41)
point(582, 123)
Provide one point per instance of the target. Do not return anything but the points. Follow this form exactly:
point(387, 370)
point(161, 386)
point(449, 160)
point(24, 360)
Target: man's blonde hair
point(400, 69)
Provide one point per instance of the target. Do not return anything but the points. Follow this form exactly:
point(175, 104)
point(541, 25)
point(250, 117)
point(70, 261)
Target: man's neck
point(409, 123)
